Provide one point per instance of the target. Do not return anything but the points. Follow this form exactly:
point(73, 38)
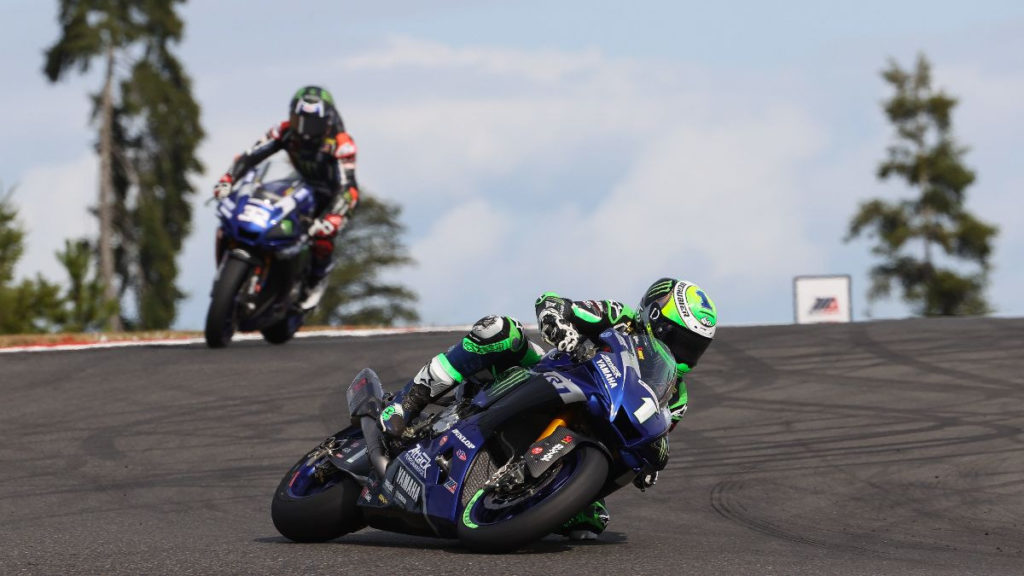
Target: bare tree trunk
point(106, 208)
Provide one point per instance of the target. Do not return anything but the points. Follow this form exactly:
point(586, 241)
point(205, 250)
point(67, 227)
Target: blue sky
point(583, 147)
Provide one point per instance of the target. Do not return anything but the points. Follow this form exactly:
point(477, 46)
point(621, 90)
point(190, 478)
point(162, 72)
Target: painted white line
point(327, 333)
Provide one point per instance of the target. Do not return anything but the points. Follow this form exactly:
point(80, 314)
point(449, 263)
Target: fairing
point(422, 489)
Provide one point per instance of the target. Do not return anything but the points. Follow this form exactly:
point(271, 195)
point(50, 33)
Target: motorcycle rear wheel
point(486, 525)
point(220, 318)
point(308, 509)
point(281, 331)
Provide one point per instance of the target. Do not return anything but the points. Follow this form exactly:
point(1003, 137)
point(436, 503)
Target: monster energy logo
point(660, 289)
point(513, 377)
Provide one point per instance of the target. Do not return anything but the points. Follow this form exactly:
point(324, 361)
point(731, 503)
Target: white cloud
point(460, 261)
point(711, 190)
point(53, 203)
point(537, 66)
point(450, 131)
point(727, 193)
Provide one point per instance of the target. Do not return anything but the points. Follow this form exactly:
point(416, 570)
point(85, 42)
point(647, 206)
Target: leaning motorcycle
point(263, 259)
point(504, 464)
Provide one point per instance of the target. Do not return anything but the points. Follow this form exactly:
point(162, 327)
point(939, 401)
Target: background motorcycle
point(263, 259)
point(503, 465)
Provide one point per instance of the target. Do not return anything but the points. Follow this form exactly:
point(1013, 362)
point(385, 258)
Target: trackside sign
point(818, 299)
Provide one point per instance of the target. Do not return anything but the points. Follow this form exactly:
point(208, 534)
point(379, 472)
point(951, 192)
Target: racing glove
point(557, 331)
point(327, 226)
point(678, 411)
point(392, 420)
point(222, 189)
point(677, 405)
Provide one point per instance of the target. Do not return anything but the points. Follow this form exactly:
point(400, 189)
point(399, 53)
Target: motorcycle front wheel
point(220, 318)
point(494, 521)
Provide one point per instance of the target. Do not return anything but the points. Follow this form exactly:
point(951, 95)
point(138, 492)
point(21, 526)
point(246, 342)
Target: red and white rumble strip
point(326, 333)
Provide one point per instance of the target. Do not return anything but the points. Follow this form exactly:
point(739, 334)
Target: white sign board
point(819, 299)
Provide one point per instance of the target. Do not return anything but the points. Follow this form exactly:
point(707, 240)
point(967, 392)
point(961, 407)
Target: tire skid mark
point(977, 379)
point(726, 502)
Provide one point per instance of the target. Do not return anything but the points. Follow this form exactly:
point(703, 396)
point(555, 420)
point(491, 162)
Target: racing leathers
point(564, 322)
point(497, 343)
point(327, 166)
point(493, 345)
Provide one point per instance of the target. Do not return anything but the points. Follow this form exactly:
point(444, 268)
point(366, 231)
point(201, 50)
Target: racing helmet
point(681, 316)
point(311, 113)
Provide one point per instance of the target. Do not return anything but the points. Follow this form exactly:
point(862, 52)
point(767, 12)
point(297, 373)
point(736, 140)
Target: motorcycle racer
point(324, 155)
point(675, 313)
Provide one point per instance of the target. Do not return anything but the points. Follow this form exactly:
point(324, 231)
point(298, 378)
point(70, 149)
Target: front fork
point(254, 284)
point(563, 419)
point(513, 473)
point(218, 246)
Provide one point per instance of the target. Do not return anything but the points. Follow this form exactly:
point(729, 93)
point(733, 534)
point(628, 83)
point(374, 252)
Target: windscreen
point(273, 191)
point(657, 367)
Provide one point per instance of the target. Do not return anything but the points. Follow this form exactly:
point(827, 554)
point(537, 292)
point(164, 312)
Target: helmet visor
point(310, 126)
point(686, 346)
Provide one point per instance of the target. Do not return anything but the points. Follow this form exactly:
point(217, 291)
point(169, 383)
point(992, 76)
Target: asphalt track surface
point(870, 448)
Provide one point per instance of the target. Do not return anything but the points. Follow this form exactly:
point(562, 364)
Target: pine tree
point(149, 132)
point(369, 245)
point(85, 306)
point(950, 274)
point(32, 305)
point(11, 239)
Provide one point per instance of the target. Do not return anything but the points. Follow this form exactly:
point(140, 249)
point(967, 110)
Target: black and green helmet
point(311, 113)
point(681, 316)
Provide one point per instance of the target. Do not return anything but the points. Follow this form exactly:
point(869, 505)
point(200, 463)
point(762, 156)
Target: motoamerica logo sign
point(826, 305)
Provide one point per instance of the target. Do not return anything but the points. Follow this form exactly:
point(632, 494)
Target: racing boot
point(403, 409)
point(320, 270)
point(392, 420)
point(587, 524)
point(314, 292)
point(316, 284)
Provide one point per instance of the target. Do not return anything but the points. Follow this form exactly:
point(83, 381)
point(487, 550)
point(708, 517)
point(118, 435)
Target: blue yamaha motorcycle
point(504, 464)
point(263, 259)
